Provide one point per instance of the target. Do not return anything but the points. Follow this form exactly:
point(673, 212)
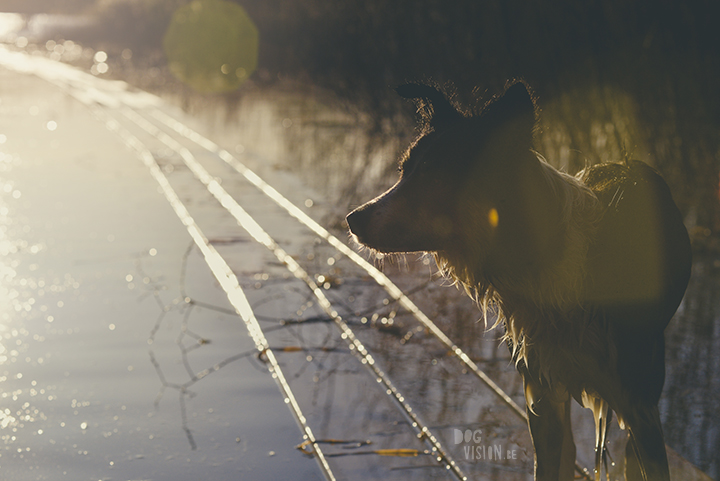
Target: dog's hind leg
point(602, 415)
point(551, 432)
point(645, 456)
point(606, 452)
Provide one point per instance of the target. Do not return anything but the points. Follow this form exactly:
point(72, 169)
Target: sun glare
point(212, 45)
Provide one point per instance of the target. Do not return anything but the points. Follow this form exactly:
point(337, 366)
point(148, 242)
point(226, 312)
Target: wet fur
point(584, 272)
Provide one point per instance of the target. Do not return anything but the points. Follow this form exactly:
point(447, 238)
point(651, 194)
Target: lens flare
point(493, 217)
point(211, 45)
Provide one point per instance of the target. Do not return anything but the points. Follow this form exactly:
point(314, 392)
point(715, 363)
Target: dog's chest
point(572, 354)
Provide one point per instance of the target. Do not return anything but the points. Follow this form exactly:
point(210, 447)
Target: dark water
point(689, 406)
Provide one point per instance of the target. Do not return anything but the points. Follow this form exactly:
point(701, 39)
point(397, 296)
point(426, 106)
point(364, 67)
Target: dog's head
point(467, 184)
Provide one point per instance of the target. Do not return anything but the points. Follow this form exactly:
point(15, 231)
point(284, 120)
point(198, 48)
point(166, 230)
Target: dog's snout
point(357, 221)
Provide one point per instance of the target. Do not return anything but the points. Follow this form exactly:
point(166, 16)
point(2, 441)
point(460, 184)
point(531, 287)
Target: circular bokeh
point(211, 45)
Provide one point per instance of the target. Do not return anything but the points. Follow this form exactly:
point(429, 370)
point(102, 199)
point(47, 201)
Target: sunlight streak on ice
point(224, 275)
point(247, 222)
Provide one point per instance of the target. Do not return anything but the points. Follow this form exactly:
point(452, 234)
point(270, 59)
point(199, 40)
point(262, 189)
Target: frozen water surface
point(91, 254)
point(121, 358)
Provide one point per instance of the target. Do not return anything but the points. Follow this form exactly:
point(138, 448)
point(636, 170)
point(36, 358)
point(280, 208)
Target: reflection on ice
point(6, 419)
point(10, 23)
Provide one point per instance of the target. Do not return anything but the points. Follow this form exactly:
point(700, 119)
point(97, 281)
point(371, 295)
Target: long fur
point(557, 289)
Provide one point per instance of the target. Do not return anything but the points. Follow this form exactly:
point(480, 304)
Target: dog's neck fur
point(524, 302)
point(558, 286)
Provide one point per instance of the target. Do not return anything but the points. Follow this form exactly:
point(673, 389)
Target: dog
point(584, 272)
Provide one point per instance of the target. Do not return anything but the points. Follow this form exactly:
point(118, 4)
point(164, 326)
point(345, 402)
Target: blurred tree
point(136, 24)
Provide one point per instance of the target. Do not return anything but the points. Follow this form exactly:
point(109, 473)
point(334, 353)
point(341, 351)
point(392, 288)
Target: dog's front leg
point(551, 432)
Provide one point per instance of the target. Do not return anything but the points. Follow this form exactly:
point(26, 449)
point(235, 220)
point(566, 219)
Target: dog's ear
point(432, 104)
point(516, 104)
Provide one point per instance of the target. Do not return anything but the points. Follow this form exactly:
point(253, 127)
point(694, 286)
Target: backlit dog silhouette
point(584, 272)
